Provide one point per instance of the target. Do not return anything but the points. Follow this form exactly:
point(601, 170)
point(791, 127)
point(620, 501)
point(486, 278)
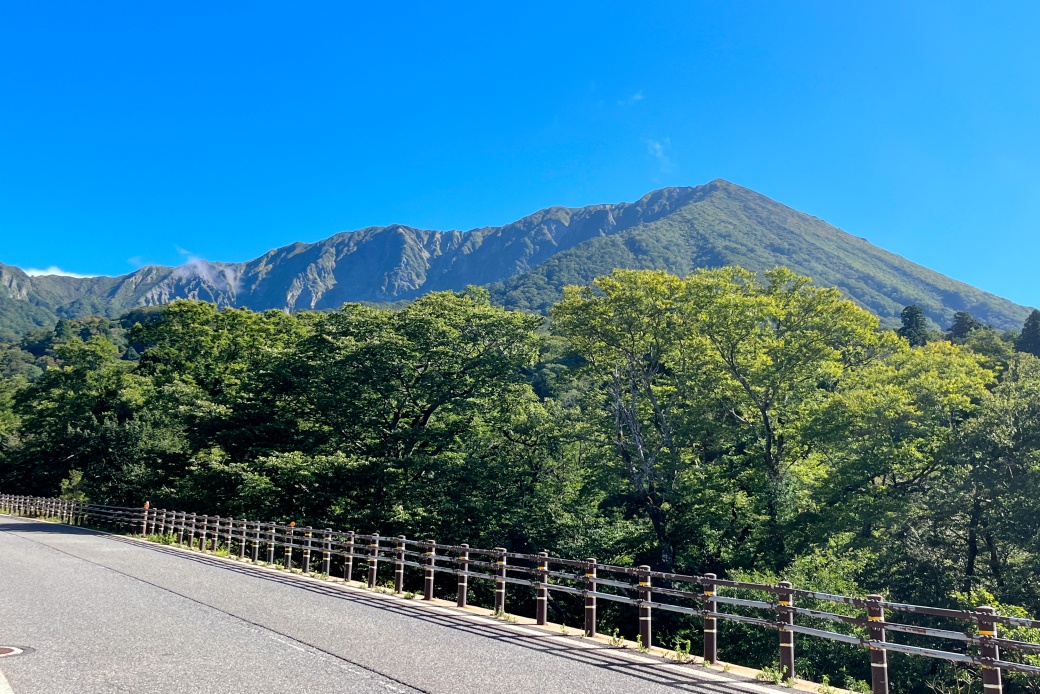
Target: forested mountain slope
point(526, 263)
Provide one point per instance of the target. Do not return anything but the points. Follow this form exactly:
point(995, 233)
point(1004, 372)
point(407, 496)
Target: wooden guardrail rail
point(314, 551)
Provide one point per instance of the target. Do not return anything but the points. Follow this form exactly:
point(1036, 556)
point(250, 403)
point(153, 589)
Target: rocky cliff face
point(526, 263)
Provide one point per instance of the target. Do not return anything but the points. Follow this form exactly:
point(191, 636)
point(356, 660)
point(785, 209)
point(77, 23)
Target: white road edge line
point(5, 688)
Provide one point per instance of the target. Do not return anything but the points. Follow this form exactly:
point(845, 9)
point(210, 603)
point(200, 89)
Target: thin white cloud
point(661, 151)
point(635, 98)
point(53, 270)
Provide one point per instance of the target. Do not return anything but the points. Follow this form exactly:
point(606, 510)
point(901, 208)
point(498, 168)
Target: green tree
point(1029, 340)
point(963, 324)
point(915, 326)
point(714, 371)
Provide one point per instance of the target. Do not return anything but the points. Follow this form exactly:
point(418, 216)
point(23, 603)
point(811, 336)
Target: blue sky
point(139, 133)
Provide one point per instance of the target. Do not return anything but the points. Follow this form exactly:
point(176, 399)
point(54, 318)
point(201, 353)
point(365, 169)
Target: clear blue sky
point(142, 132)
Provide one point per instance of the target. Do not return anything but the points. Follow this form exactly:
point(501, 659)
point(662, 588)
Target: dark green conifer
point(963, 323)
point(1029, 340)
point(915, 328)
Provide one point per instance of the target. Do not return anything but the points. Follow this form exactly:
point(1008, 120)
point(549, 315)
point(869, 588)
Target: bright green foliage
point(711, 378)
point(915, 326)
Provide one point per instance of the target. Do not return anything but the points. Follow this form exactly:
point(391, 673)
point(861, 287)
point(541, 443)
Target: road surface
point(104, 613)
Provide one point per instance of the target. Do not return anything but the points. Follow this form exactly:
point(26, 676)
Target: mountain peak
point(525, 263)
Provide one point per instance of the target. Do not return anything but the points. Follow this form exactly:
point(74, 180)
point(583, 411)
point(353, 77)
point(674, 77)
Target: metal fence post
point(786, 615)
point(348, 560)
point(191, 532)
point(180, 528)
point(308, 534)
point(645, 596)
point(144, 521)
point(878, 656)
point(991, 679)
point(431, 559)
point(463, 566)
point(271, 543)
point(242, 539)
point(203, 533)
point(542, 592)
point(500, 583)
point(289, 546)
point(373, 561)
point(230, 534)
point(255, 549)
point(326, 552)
point(590, 596)
point(711, 628)
point(153, 517)
point(399, 566)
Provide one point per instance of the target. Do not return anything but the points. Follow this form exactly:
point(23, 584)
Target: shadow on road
point(588, 653)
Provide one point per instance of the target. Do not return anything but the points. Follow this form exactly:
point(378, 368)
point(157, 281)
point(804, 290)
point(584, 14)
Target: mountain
point(525, 264)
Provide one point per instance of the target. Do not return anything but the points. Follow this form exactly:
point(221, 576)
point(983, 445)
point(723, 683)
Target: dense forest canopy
point(751, 425)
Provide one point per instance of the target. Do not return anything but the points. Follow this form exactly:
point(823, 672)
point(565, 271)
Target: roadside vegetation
point(755, 426)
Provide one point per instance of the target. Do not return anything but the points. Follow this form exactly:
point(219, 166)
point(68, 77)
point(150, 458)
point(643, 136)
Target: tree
point(706, 383)
point(915, 328)
point(963, 323)
point(1029, 340)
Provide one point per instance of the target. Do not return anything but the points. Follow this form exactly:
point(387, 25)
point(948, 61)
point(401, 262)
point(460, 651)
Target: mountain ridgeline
point(525, 264)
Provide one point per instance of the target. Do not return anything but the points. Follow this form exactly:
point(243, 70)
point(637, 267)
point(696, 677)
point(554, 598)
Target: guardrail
point(314, 550)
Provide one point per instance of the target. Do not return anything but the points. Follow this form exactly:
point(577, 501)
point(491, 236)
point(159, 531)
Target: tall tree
point(713, 375)
point(1029, 340)
point(963, 324)
point(915, 328)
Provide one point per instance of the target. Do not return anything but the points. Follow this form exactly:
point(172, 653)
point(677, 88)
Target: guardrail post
point(289, 546)
point(500, 583)
point(878, 656)
point(326, 552)
point(399, 566)
point(272, 545)
point(230, 535)
point(183, 518)
point(204, 533)
point(786, 615)
point(431, 559)
point(590, 597)
point(373, 561)
point(309, 534)
point(645, 596)
point(991, 680)
point(242, 539)
point(542, 593)
point(216, 533)
point(348, 560)
point(711, 624)
point(255, 549)
point(144, 521)
point(463, 566)
point(191, 532)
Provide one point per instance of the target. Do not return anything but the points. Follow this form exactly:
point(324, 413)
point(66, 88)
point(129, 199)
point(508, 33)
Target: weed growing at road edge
point(617, 640)
point(771, 673)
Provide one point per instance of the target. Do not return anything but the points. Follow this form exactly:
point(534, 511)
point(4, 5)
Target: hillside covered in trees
point(525, 264)
point(757, 426)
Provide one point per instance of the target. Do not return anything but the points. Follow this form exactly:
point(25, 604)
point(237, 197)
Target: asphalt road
point(110, 614)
